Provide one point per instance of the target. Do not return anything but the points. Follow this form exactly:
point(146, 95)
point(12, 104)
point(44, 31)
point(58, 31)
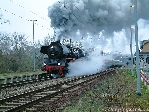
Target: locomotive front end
point(55, 64)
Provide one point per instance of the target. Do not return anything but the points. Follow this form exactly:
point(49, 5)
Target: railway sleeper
point(59, 96)
point(39, 95)
point(23, 101)
point(12, 103)
point(47, 92)
point(15, 100)
point(30, 109)
point(65, 86)
point(53, 99)
point(6, 107)
point(44, 103)
point(37, 106)
point(2, 110)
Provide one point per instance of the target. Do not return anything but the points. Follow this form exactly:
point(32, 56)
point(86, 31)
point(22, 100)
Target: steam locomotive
point(59, 56)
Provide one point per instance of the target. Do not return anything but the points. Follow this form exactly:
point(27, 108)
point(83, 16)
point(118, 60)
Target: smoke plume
point(89, 16)
point(100, 25)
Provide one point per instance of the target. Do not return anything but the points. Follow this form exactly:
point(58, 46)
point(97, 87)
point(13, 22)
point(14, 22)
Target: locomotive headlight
point(59, 63)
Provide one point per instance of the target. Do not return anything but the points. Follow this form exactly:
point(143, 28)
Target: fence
point(144, 78)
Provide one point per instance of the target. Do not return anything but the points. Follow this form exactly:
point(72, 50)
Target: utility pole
point(131, 28)
point(34, 47)
point(137, 50)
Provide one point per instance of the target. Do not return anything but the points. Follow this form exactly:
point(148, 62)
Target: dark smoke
point(101, 25)
point(89, 16)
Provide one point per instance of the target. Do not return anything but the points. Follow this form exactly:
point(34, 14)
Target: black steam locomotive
point(56, 64)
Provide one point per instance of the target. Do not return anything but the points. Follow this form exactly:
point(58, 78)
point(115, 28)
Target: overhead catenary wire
point(29, 10)
point(23, 18)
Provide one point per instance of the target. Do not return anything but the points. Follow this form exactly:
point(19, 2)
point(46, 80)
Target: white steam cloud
point(100, 25)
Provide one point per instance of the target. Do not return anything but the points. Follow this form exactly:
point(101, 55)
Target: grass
point(117, 92)
point(20, 73)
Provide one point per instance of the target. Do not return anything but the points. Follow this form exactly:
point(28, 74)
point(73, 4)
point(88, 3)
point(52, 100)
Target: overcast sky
point(28, 10)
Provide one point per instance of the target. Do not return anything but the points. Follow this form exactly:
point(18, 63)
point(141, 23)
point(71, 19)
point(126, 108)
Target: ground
point(117, 93)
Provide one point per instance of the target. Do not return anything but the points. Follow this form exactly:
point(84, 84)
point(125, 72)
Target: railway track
point(51, 95)
point(20, 89)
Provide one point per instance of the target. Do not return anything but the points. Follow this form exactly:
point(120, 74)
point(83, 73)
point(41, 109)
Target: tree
point(15, 53)
point(2, 20)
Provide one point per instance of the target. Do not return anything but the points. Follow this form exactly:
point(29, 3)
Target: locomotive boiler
point(59, 56)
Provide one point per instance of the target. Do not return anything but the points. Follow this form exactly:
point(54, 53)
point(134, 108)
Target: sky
point(28, 10)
